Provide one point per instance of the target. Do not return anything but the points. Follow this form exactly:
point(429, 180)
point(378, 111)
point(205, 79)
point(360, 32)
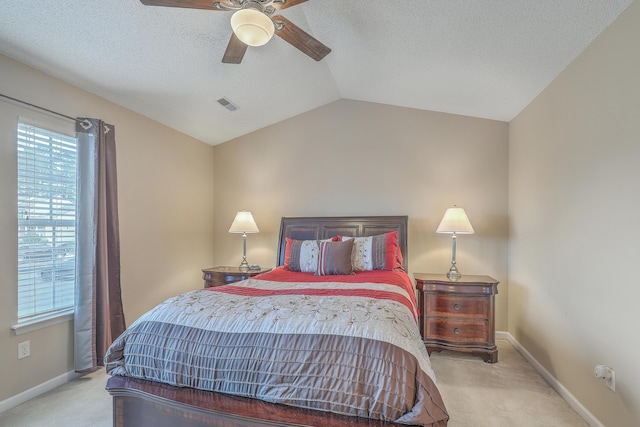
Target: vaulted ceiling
point(481, 58)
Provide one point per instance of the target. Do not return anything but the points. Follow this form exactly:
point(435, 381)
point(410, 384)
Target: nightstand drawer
point(457, 330)
point(220, 276)
point(455, 306)
point(219, 279)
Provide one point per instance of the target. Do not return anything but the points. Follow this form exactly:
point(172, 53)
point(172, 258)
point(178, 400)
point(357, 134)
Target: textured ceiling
point(481, 58)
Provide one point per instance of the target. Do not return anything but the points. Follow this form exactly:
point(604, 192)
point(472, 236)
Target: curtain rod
point(38, 107)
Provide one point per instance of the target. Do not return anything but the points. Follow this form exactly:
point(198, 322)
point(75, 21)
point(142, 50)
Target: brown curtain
point(99, 316)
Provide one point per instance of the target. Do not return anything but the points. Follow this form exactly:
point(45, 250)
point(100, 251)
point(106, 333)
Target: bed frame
point(139, 402)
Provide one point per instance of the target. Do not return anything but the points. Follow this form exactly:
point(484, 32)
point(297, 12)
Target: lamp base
point(244, 265)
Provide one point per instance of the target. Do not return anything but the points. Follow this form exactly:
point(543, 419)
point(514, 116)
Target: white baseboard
point(26, 395)
point(553, 382)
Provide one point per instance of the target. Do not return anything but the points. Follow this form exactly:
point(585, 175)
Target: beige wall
point(574, 199)
point(166, 217)
point(358, 158)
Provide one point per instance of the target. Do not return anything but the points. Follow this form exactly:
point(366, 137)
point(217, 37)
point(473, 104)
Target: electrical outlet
point(24, 349)
point(607, 374)
point(611, 379)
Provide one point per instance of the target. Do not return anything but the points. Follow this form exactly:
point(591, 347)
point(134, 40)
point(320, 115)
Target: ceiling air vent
point(227, 104)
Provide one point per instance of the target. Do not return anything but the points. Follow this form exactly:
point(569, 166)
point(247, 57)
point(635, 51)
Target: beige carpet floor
point(507, 394)
point(78, 403)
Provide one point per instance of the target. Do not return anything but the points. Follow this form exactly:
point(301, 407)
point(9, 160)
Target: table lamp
point(244, 223)
point(455, 222)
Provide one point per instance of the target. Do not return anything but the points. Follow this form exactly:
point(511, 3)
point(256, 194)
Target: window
point(46, 222)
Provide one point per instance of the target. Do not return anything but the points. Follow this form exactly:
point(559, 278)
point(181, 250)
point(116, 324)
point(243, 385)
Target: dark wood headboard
point(314, 228)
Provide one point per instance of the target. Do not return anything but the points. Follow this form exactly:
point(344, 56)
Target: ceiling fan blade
point(286, 4)
point(294, 35)
point(189, 4)
point(235, 51)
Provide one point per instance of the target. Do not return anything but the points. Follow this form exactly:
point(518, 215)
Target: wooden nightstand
point(218, 276)
point(458, 315)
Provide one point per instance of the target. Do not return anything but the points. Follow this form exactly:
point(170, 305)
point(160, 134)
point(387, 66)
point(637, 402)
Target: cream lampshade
point(244, 223)
point(455, 221)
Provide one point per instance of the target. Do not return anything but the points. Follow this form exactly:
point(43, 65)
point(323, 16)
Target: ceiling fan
point(254, 24)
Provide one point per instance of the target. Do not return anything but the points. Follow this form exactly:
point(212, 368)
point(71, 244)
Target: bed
point(339, 346)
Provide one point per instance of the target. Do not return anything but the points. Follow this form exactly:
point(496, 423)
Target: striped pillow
point(381, 252)
point(302, 255)
point(334, 258)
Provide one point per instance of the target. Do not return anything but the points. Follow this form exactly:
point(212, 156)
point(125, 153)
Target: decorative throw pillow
point(380, 252)
point(334, 258)
point(302, 255)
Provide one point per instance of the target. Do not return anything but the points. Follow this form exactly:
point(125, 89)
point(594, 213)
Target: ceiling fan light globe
point(252, 27)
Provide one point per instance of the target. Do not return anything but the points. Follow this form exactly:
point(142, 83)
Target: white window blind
point(46, 222)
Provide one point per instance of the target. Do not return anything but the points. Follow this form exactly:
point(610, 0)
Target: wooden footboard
point(145, 403)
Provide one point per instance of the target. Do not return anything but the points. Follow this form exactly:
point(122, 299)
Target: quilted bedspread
point(349, 346)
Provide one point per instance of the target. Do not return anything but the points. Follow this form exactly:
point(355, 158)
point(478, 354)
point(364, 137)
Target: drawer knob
point(456, 306)
point(456, 331)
